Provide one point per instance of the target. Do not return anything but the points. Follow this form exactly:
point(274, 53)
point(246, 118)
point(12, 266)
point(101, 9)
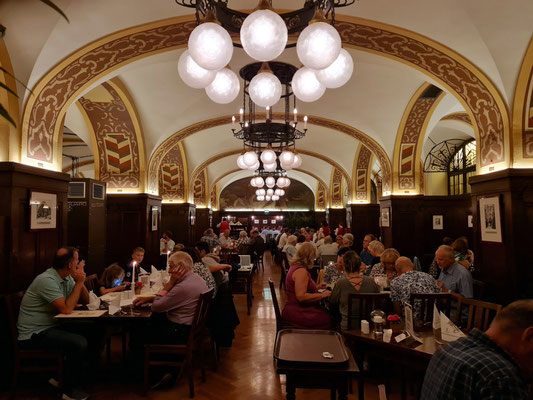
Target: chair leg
point(14, 380)
point(146, 365)
point(108, 348)
point(202, 360)
point(190, 374)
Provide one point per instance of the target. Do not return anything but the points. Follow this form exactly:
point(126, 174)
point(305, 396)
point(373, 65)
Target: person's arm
point(335, 296)
point(300, 288)
point(66, 306)
point(104, 290)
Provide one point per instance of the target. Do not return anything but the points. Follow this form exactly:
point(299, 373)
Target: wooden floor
point(245, 371)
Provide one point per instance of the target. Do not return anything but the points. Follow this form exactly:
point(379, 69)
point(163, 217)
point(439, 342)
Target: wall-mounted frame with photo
point(155, 218)
point(273, 221)
point(385, 217)
point(43, 211)
point(438, 222)
point(256, 221)
point(490, 219)
point(265, 221)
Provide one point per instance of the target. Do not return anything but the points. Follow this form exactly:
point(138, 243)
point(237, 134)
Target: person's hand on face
point(78, 271)
point(177, 272)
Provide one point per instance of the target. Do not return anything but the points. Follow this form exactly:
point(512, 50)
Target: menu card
point(409, 325)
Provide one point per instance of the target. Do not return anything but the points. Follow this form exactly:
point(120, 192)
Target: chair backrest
point(245, 259)
point(12, 306)
point(480, 313)
point(360, 305)
point(276, 304)
point(200, 315)
point(91, 283)
point(479, 289)
point(427, 301)
point(320, 277)
point(326, 258)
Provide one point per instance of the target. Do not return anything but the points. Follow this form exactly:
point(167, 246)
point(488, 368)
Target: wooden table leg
point(343, 395)
point(361, 387)
point(333, 394)
point(291, 389)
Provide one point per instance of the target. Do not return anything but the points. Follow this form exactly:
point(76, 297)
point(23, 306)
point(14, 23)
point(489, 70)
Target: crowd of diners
point(507, 347)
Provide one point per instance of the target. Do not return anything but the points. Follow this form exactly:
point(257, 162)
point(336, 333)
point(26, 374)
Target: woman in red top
point(302, 309)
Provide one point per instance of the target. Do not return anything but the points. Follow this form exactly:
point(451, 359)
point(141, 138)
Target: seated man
point(283, 238)
point(57, 290)
point(290, 247)
point(225, 241)
point(366, 257)
point(328, 248)
point(257, 245)
point(453, 277)
point(211, 239)
point(212, 262)
point(410, 281)
point(177, 304)
point(495, 364)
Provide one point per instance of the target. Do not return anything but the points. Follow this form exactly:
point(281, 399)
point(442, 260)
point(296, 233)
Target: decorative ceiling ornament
point(264, 36)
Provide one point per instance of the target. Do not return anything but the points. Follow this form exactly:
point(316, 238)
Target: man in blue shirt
point(366, 257)
point(493, 365)
point(57, 290)
point(453, 277)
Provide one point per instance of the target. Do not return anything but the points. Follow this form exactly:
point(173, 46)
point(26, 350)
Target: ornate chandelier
point(264, 35)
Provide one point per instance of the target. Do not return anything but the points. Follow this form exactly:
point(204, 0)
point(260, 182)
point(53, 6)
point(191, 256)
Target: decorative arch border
point(410, 140)
point(522, 106)
point(361, 175)
point(458, 116)
point(56, 91)
point(199, 195)
point(10, 148)
point(336, 189)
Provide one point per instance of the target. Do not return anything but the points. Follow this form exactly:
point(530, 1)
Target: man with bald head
point(453, 277)
point(496, 364)
point(408, 282)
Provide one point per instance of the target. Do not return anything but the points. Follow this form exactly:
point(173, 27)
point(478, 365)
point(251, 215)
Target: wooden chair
point(258, 257)
point(279, 322)
point(91, 283)
point(195, 341)
point(427, 300)
point(362, 304)
point(320, 277)
point(326, 258)
point(480, 313)
point(28, 360)
point(284, 269)
point(479, 289)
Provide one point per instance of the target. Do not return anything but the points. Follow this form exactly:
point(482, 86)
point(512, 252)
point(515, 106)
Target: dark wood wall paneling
point(365, 219)
point(87, 227)
point(26, 254)
point(507, 267)
point(201, 223)
point(337, 216)
point(177, 219)
point(411, 223)
point(129, 225)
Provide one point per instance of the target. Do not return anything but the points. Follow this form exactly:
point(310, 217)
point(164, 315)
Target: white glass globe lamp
point(275, 197)
point(260, 192)
point(252, 182)
point(268, 156)
point(260, 198)
point(281, 192)
point(306, 86)
point(224, 88)
point(254, 167)
point(270, 182)
point(259, 182)
point(270, 167)
point(338, 73)
point(296, 162)
point(318, 45)
point(270, 192)
point(268, 198)
point(287, 182)
point(277, 192)
point(265, 89)
point(240, 162)
point(210, 46)
point(192, 74)
point(281, 182)
point(264, 34)
point(286, 157)
point(250, 158)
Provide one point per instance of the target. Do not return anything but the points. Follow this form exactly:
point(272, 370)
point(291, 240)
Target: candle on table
point(168, 257)
point(133, 276)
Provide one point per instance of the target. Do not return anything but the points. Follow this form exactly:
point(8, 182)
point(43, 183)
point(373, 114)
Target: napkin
point(244, 260)
point(142, 271)
point(114, 305)
point(448, 330)
point(94, 301)
point(436, 317)
point(158, 284)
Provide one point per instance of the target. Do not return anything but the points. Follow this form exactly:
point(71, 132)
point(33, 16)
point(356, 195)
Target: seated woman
point(461, 254)
point(112, 280)
point(334, 272)
point(200, 269)
point(302, 309)
point(242, 242)
point(354, 282)
point(375, 248)
point(387, 264)
point(290, 247)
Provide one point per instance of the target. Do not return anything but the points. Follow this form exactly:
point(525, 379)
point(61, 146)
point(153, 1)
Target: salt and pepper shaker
point(365, 326)
point(378, 318)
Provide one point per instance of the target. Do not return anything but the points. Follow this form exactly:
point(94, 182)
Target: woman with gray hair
point(290, 247)
point(242, 241)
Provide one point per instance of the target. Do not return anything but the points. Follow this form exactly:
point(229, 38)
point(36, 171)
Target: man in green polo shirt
point(57, 290)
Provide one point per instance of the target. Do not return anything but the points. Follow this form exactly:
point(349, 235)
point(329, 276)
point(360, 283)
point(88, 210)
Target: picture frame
point(273, 221)
point(43, 211)
point(490, 219)
point(385, 217)
point(470, 221)
point(256, 221)
point(265, 221)
point(438, 222)
point(155, 218)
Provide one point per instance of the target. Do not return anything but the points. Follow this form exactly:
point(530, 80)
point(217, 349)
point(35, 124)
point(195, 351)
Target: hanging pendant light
point(224, 88)
point(338, 73)
point(306, 86)
point(265, 87)
point(192, 74)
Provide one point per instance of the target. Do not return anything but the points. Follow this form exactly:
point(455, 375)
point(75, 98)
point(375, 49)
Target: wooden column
point(365, 219)
point(129, 225)
point(177, 218)
point(87, 222)
point(506, 267)
point(23, 253)
point(202, 222)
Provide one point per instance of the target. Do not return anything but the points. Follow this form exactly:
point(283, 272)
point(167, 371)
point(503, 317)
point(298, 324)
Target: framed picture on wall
point(43, 211)
point(273, 221)
point(155, 218)
point(490, 219)
point(385, 217)
point(256, 221)
point(265, 221)
point(438, 222)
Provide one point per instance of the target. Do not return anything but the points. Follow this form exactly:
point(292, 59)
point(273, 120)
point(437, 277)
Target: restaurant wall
point(506, 266)
point(177, 218)
point(87, 226)
point(25, 253)
point(129, 225)
point(365, 219)
point(411, 218)
point(336, 216)
point(201, 223)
